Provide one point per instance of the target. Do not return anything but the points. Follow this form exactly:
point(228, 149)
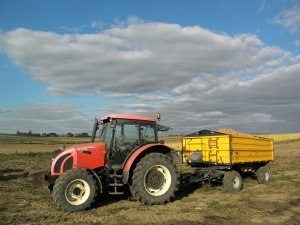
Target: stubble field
point(275, 203)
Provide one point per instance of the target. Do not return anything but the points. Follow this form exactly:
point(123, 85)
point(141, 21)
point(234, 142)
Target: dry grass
point(276, 203)
point(23, 144)
point(281, 137)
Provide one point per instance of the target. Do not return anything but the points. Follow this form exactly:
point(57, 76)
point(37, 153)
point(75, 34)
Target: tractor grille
point(59, 162)
point(68, 164)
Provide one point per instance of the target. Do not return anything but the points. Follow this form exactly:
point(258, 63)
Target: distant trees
point(69, 134)
point(82, 135)
point(29, 133)
point(52, 134)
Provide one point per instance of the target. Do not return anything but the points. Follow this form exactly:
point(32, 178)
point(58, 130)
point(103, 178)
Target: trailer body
point(229, 150)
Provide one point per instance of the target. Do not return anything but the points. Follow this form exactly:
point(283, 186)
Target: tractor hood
point(83, 156)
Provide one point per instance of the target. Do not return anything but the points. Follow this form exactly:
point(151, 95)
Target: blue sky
point(64, 62)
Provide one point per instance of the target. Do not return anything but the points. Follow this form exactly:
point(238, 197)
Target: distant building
point(82, 135)
point(52, 135)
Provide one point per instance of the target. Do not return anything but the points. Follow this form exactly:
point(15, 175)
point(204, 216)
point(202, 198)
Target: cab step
point(116, 184)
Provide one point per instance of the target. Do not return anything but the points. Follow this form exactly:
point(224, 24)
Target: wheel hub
point(77, 192)
point(236, 182)
point(267, 176)
point(155, 179)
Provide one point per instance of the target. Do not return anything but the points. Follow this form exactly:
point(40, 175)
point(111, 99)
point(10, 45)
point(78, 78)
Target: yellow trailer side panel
point(228, 149)
point(215, 149)
point(247, 150)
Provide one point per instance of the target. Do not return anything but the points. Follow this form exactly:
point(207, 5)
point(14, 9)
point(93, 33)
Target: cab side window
point(147, 133)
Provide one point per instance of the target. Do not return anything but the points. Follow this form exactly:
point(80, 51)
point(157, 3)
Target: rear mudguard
point(138, 154)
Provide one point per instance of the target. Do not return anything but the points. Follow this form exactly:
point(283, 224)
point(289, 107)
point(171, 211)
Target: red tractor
point(125, 154)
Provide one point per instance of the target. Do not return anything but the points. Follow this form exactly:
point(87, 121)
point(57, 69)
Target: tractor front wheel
point(155, 179)
point(75, 190)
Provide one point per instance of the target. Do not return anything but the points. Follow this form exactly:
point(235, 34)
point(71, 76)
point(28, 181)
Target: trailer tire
point(232, 181)
point(263, 175)
point(74, 190)
point(155, 179)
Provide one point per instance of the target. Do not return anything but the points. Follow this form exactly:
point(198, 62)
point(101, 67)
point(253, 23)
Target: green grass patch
point(212, 203)
point(184, 210)
point(117, 209)
point(26, 190)
point(283, 177)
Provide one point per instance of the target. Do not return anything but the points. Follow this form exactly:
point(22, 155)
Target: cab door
point(126, 139)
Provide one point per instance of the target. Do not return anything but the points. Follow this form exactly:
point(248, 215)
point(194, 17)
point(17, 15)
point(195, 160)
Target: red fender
point(132, 158)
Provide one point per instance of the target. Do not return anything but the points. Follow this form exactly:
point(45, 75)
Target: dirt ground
point(275, 203)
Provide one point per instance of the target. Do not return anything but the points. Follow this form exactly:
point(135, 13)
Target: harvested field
point(275, 203)
point(24, 144)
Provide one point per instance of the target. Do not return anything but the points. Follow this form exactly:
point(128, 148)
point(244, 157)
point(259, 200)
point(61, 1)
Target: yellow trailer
point(228, 155)
point(225, 149)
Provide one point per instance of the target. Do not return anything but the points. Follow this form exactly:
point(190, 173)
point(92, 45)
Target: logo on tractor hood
point(85, 148)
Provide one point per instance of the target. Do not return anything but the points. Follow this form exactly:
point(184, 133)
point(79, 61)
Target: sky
point(202, 64)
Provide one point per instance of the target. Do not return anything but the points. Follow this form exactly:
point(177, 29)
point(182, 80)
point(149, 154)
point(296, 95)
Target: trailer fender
point(139, 153)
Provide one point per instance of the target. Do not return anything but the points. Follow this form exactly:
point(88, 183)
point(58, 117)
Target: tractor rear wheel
point(155, 179)
point(75, 190)
point(232, 181)
point(263, 175)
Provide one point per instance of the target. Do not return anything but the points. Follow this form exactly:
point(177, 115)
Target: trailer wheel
point(232, 181)
point(75, 190)
point(155, 179)
point(263, 175)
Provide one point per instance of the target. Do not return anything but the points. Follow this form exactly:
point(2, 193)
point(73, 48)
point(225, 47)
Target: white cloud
point(195, 77)
point(289, 18)
point(269, 103)
point(39, 118)
point(132, 59)
point(97, 24)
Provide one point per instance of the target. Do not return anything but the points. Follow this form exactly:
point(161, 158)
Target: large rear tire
point(263, 175)
point(75, 190)
point(155, 179)
point(232, 181)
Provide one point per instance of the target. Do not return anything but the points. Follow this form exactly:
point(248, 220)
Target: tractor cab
point(123, 134)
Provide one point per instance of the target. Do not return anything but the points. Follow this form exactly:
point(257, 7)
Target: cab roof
point(128, 117)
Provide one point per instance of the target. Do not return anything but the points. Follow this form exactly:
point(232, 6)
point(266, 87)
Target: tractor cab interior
point(123, 136)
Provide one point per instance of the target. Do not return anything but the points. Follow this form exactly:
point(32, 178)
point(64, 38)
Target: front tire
point(155, 179)
point(75, 190)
